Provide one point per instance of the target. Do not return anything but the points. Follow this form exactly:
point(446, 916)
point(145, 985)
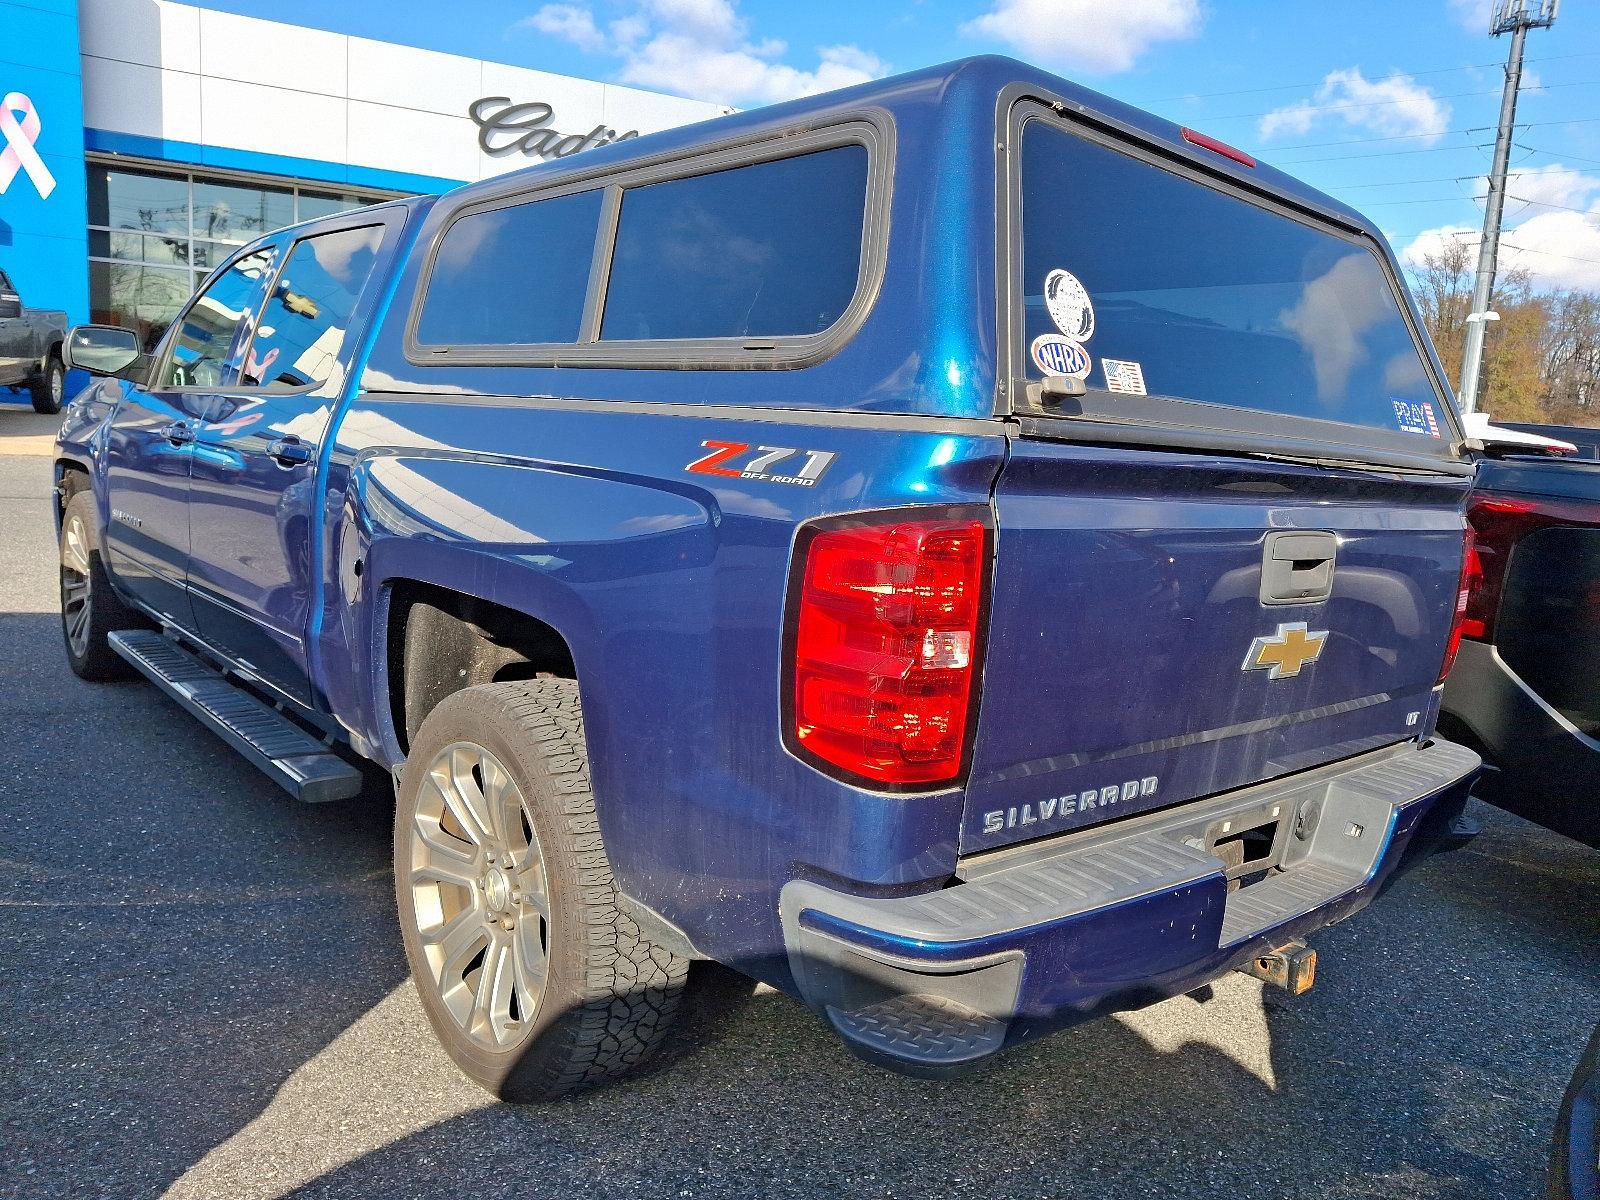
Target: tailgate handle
point(1297, 567)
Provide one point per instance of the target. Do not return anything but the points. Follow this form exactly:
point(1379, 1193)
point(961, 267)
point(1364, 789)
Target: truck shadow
point(194, 944)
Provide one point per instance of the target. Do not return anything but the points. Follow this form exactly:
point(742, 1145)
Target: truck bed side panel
point(669, 587)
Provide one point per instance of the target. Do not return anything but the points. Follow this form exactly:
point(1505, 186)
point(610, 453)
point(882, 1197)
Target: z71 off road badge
point(725, 457)
point(1285, 652)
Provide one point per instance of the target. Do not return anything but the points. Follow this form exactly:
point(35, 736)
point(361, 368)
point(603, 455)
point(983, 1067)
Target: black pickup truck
point(30, 349)
point(1525, 692)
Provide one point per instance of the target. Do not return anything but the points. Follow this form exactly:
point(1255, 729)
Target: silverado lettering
point(1070, 804)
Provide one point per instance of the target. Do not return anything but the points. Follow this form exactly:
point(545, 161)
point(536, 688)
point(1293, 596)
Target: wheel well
point(440, 641)
point(71, 479)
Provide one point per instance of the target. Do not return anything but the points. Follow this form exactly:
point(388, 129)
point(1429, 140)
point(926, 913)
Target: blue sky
point(1389, 106)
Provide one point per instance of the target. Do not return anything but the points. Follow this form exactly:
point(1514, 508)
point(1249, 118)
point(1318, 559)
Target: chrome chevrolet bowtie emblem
point(1285, 652)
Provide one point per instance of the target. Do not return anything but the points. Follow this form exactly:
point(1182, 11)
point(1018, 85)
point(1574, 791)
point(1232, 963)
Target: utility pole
point(1515, 17)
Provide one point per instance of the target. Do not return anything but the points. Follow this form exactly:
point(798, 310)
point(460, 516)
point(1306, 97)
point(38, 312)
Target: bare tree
point(1541, 358)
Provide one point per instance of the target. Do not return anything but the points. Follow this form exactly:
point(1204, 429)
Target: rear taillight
point(885, 629)
point(1470, 583)
point(1498, 524)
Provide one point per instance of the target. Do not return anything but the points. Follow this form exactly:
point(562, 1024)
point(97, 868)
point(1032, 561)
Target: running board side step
point(288, 755)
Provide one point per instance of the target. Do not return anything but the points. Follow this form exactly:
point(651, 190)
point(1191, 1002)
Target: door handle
point(289, 452)
point(1297, 567)
point(178, 433)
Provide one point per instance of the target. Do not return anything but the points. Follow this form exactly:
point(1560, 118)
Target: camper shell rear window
point(1152, 284)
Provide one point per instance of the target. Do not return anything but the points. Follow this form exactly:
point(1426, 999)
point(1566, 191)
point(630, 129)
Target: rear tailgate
point(1229, 536)
point(1127, 601)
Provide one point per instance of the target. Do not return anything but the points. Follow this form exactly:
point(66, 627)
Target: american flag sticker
point(1123, 376)
point(1416, 416)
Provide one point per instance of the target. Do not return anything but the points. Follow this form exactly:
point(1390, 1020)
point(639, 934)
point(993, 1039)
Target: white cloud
point(1546, 185)
point(1472, 15)
point(1092, 35)
point(1398, 105)
point(1558, 249)
point(568, 22)
point(704, 49)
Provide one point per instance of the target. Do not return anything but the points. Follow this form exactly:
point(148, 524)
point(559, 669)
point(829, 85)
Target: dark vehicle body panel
point(560, 491)
point(28, 336)
point(1529, 699)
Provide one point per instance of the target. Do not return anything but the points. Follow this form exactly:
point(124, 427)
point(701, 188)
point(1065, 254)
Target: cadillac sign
point(506, 128)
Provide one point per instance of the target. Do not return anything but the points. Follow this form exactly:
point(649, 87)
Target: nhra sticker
point(1416, 416)
point(1057, 355)
point(1069, 306)
point(721, 461)
point(1124, 377)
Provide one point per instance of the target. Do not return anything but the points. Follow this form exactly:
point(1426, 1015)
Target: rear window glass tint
point(1211, 297)
point(512, 275)
point(768, 250)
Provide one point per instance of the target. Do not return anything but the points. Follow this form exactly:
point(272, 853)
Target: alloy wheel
point(75, 598)
point(480, 895)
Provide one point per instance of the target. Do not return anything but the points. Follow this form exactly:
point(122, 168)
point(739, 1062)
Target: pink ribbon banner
point(19, 137)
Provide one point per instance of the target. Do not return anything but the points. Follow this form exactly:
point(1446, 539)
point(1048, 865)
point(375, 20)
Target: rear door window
point(772, 249)
point(512, 276)
point(303, 325)
point(1145, 281)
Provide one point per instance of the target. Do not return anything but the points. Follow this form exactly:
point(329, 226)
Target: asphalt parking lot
point(203, 994)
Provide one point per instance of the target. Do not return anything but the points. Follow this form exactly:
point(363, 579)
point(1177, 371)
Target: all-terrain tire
point(49, 390)
point(89, 608)
point(609, 993)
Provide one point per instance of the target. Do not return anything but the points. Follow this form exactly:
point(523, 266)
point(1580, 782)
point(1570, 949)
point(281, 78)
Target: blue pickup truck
point(960, 549)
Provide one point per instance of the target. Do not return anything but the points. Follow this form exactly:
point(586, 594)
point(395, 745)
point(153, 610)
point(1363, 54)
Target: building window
point(155, 234)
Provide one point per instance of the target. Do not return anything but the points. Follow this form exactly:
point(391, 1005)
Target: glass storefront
point(155, 234)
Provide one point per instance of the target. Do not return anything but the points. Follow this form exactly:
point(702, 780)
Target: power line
point(1320, 109)
point(1552, 254)
point(1328, 108)
point(1390, 137)
point(1559, 154)
point(1429, 149)
point(1290, 162)
point(1588, 212)
point(1286, 87)
point(1350, 187)
point(1429, 200)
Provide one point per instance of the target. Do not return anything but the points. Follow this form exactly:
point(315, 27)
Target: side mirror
point(106, 350)
point(10, 306)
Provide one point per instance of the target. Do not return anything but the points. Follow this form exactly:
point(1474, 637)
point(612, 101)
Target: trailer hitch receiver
point(1292, 966)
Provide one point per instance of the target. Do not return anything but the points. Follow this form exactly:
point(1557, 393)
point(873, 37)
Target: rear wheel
point(89, 608)
point(534, 980)
point(50, 389)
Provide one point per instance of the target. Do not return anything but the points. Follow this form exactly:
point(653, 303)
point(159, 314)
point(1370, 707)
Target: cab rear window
point(1147, 282)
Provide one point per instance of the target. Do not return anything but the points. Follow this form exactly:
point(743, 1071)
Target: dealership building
point(141, 140)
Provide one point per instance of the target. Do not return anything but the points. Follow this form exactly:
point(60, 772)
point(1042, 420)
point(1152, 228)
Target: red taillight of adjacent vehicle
point(885, 629)
point(1498, 523)
point(1469, 585)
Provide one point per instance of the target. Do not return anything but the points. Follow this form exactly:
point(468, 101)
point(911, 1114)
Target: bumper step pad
point(299, 763)
point(932, 1031)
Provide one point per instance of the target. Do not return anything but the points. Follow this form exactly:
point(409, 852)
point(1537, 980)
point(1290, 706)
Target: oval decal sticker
point(1068, 303)
point(1057, 355)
